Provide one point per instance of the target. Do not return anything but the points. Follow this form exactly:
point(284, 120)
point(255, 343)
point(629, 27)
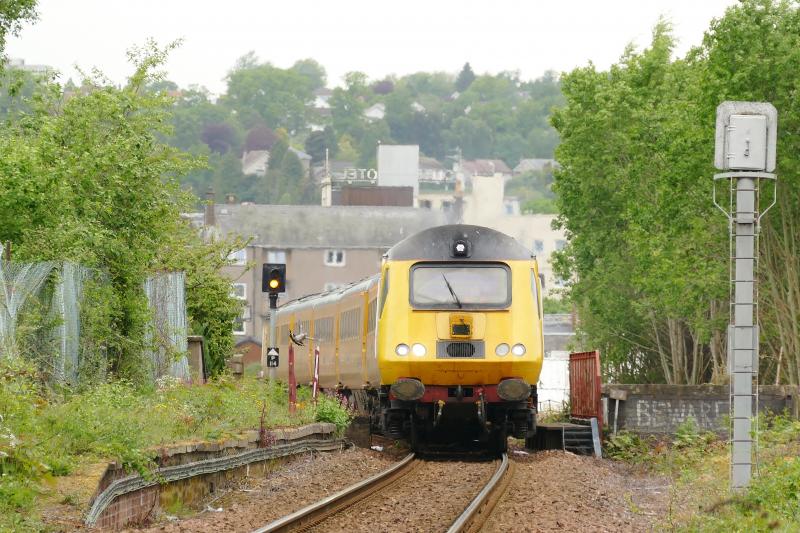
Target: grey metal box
point(746, 148)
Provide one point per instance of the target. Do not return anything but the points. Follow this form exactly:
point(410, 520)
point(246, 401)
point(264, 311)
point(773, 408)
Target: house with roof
point(322, 97)
point(256, 162)
point(536, 165)
point(375, 112)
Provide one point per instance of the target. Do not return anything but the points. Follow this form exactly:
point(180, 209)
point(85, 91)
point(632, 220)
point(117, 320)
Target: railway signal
point(746, 136)
point(273, 282)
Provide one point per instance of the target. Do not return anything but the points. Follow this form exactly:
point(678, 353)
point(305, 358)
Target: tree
point(90, 180)
point(465, 78)
point(265, 93)
point(318, 142)
point(260, 137)
point(383, 87)
point(474, 137)
point(13, 13)
point(220, 137)
point(311, 71)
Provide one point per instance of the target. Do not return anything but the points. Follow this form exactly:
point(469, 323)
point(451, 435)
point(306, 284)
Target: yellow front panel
point(519, 323)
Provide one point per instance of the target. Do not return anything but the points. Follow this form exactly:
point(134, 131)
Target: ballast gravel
point(300, 482)
point(560, 491)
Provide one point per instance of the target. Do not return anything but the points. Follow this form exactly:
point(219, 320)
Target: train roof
point(312, 300)
point(438, 244)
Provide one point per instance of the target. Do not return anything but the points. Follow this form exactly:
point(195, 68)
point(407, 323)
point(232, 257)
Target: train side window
point(535, 291)
point(384, 292)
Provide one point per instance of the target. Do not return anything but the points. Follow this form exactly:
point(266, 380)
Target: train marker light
point(460, 248)
point(273, 278)
point(418, 349)
point(401, 349)
point(502, 349)
point(518, 349)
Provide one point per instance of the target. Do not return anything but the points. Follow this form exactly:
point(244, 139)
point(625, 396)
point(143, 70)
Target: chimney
point(209, 219)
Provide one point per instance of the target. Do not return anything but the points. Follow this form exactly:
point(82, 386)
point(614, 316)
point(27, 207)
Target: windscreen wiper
point(452, 292)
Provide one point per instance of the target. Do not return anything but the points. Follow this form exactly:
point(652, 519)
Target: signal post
point(746, 136)
point(273, 282)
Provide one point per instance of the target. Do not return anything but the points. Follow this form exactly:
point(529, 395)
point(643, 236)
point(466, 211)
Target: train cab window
point(384, 292)
point(460, 286)
point(535, 291)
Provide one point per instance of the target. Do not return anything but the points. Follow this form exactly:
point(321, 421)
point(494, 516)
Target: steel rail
point(316, 512)
point(474, 511)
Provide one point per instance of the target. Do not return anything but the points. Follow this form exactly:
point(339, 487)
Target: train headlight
point(418, 349)
point(502, 349)
point(518, 349)
point(401, 349)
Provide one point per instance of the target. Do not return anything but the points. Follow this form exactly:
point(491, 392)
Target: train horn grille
point(459, 350)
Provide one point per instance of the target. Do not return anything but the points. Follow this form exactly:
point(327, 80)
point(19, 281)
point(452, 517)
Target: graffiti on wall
point(664, 415)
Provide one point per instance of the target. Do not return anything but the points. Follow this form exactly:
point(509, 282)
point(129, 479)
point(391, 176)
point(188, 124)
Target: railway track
point(360, 502)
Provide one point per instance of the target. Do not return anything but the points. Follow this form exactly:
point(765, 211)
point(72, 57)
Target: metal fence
point(42, 304)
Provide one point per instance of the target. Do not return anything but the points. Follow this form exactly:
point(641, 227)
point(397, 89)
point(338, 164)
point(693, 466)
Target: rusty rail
point(316, 512)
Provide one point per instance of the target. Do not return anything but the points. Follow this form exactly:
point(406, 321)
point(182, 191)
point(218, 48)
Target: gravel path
point(559, 491)
point(300, 482)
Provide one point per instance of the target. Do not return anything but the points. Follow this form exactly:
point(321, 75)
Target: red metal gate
point(584, 385)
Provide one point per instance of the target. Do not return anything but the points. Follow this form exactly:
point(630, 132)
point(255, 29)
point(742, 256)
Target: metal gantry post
point(745, 336)
point(745, 149)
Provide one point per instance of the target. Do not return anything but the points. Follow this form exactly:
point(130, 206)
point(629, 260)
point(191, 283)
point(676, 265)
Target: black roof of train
point(436, 244)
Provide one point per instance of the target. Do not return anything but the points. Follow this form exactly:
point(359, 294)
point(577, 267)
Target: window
point(509, 209)
point(425, 204)
point(371, 317)
point(560, 244)
point(541, 281)
point(323, 330)
point(384, 292)
point(276, 256)
point(334, 257)
point(238, 257)
point(446, 206)
point(239, 291)
point(470, 286)
point(535, 291)
point(350, 324)
point(538, 246)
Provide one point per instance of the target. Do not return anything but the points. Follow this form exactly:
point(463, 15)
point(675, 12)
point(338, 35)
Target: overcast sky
point(374, 36)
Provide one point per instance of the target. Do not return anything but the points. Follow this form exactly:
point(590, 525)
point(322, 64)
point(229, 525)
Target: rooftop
point(313, 226)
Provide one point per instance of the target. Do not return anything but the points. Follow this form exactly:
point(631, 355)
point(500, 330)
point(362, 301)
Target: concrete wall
point(662, 408)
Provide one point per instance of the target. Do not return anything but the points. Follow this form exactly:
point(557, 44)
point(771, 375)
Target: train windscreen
point(453, 286)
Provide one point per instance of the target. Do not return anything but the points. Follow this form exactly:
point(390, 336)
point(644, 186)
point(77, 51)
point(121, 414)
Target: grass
point(697, 463)
point(46, 434)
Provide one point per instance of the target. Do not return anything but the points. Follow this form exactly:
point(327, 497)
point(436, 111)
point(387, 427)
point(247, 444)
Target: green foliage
point(626, 446)
point(329, 409)
point(687, 435)
point(43, 434)
point(13, 13)
point(556, 306)
point(260, 92)
point(88, 179)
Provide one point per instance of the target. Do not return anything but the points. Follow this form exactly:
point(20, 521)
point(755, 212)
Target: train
point(443, 347)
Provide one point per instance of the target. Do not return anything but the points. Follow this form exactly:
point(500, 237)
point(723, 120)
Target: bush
point(627, 446)
point(330, 409)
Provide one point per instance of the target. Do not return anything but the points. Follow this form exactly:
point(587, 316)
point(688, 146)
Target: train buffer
point(582, 438)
